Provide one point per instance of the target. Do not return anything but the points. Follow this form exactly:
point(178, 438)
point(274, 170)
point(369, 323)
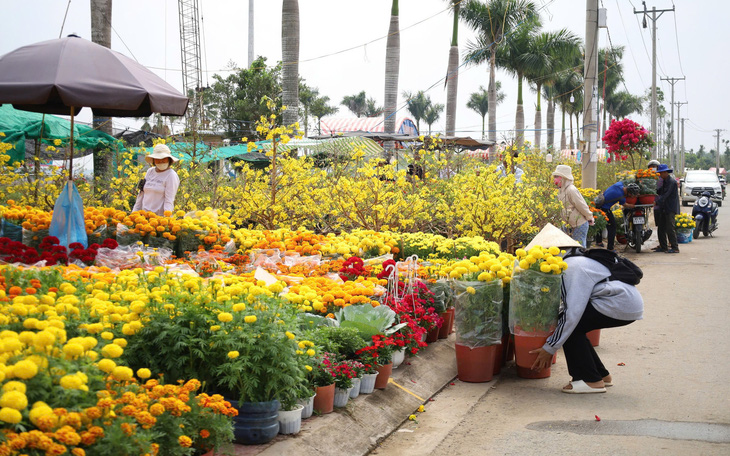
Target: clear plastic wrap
point(309, 261)
point(478, 313)
point(206, 263)
point(534, 302)
point(443, 295)
point(125, 236)
point(160, 242)
point(188, 242)
point(378, 260)
point(33, 238)
point(265, 258)
point(98, 235)
point(123, 257)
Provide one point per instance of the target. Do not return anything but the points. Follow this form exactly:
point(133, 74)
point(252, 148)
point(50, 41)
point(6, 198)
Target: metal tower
point(192, 71)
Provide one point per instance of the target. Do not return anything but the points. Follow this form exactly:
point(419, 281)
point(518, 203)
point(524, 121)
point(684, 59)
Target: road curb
point(368, 419)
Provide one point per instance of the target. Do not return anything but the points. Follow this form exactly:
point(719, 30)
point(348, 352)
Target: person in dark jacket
point(616, 193)
point(668, 205)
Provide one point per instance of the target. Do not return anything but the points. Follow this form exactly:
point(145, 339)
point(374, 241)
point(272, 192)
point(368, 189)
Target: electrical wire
point(633, 57)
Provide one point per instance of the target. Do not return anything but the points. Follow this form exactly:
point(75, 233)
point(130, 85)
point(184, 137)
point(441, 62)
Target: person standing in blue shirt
point(616, 193)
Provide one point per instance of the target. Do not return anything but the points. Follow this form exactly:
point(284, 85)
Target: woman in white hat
point(576, 213)
point(160, 184)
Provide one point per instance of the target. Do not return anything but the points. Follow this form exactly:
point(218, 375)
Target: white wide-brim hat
point(564, 171)
point(552, 236)
point(160, 151)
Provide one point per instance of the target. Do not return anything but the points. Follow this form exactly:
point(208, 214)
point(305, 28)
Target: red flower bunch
point(625, 137)
point(353, 268)
point(388, 266)
point(49, 251)
point(342, 371)
point(369, 357)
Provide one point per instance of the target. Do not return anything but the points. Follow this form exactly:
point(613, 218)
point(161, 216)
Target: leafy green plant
point(342, 341)
point(534, 301)
point(478, 312)
point(369, 321)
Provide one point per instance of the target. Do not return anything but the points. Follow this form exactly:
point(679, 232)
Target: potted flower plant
point(534, 304)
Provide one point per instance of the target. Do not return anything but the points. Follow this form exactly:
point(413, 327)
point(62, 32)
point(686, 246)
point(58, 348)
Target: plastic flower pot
point(524, 343)
point(290, 421)
point(308, 406)
point(383, 375)
point(325, 398)
point(398, 357)
point(256, 423)
point(355, 390)
point(475, 365)
point(367, 384)
point(446, 326)
point(341, 397)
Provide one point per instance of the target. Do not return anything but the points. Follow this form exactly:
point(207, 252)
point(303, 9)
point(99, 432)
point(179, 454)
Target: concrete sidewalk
point(369, 418)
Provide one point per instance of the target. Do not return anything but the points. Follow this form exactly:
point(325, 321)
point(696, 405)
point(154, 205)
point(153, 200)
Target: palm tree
point(565, 85)
point(479, 101)
point(290, 60)
point(320, 108)
point(547, 54)
point(621, 104)
point(493, 21)
point(392, 70)
point(452, 72)
point(417, 105)
point(432, 114)
point(357, 104)
point(566, 61)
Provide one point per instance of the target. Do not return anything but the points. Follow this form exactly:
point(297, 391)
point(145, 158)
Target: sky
point(342, 50)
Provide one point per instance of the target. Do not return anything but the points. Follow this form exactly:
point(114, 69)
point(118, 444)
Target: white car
point(697, 181)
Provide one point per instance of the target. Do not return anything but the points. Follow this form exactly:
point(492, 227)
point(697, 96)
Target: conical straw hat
point(552, 236)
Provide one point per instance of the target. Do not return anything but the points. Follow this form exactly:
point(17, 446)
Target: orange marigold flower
point(128, 428)
point(93, 412)
point(204, 433)
point(157, 409)
point(185, 441)
point(31, 291)
point(78, 452)
point(15, 291)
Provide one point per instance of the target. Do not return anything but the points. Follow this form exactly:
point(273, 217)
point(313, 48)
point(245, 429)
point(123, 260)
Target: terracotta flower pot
point(324, 401)
point(594, 336)
point(501, 354)
point(433, 335)
point(452, 311)
point(475, 365)
point(446, 326)
point(646, 199)
point(381, 381)
point(631, 199)
point(524, 343)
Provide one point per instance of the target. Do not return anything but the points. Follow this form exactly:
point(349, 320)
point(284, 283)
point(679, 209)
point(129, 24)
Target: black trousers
point(665, 230)
point(611, 228)
point(583, 362)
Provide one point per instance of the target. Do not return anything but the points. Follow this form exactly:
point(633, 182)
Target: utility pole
point(250, 33)
point(676, 156)
point(681, 161)
point(589, 158)
point(672, 81)
point(717, 154)
point(653, 18)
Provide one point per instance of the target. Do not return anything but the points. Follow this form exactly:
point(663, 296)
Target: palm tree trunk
point(551, 124)
point(577, 127)
point(519, 117)
point(483, 126)
point(563, 141)
point(392, 70)
point(101, 34)
point(290, 60)
point(452, 76)
point(538, 119)
point(492, 101)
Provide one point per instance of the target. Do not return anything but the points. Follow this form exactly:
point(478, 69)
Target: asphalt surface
point(671, 372)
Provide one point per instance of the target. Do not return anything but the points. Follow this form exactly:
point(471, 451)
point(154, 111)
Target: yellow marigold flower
point(14, 399)
point(71, 381)
point(10, 415)
point(122, 373)
point(250, 318)
point(290, 335)
point(544, 267)
point(308, 368)
point(121, 342)
point(73, 349)
point(225, 317)
point(554, 250)
point(470, 290)
point(215, 328)
point(112, 351)
point(106, 365)
point(25, 369)
point(412, 417)
point(14, 386)
point(239, 307)
point(107, 335)
point(144, 373)
point(421, 408)
point(233, 354)
point(311, 352)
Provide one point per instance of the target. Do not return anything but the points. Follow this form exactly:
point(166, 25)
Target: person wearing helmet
point(668, 207)
point(615, 194)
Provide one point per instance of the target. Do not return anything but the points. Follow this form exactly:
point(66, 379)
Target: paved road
point(671, 395)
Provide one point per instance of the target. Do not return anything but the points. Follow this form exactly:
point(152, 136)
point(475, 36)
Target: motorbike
point(635, 226)
point(705, 212)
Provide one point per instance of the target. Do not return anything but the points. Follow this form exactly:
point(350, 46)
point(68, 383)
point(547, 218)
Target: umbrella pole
point(71, 146)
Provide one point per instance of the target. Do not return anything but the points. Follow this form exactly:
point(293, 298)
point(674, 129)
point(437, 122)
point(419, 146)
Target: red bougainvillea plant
point(626, 138)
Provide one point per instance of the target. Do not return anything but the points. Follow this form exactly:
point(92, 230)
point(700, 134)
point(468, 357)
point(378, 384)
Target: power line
point(623, 24)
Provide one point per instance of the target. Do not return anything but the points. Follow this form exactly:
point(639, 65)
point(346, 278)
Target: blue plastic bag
point(67, 223)
point(11, 231)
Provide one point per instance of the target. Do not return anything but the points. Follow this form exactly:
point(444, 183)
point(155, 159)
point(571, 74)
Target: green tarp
point(21, 125)
point(205, 153)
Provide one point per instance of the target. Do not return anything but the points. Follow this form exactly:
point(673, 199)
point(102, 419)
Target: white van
point(696, 182)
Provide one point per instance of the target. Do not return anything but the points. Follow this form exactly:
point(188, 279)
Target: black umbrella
point(64, 75)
